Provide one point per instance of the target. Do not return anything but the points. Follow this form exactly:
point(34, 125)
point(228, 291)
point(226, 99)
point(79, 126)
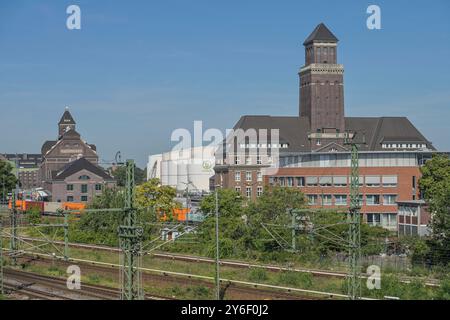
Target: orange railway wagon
point(178, 214)
point(23, 205)
point(74, 206)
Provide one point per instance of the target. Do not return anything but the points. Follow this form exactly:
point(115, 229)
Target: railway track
point(56, 284)
point(54, 287)
point(233, 289)
point(231, 263)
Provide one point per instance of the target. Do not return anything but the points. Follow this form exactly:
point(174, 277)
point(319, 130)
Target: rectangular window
point(290, 181)
point(372, 199)
point(389, 220)
point(300, 181)
point(312, 199)
point(389, 181)
point(237, 176)
point(372, 181)
point(248, 192)
point(69, 198)
point(84, 188)
point(98, 187)
point(237, 160)
point(70, 187)
point(259, 176)
point(414, 182)
point(259, 191)
point(340, 181)
point(282, 181)
point(84, 198)
point(258, 160)
point(373, 219)
point(327, 200)
point(389, 199)
point(248, 176)
point(325, 181)
point(237, 189)
point(311, 181)
point(340, 199)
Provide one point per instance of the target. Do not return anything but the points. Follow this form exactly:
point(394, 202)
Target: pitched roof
point(321, 33)
point(47, 146)
point(78, 165)
point(386, 129)
point(294, 130)
point(67, 118)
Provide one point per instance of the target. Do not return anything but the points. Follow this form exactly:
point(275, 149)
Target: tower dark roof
point(321, 33)
point(67, 118)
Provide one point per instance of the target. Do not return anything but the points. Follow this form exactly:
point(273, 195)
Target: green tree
point(120, 174)
point(7, 179)
point(435, 186)
point(153, 194)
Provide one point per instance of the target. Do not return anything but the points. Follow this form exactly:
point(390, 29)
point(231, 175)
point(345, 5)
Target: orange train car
point(73, 206)
point(178, 214)
point(23, 205)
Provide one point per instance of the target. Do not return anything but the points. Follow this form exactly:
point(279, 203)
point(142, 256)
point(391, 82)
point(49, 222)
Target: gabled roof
point(78, 165)
point(385, 129)
point(321, 33)
point(67, 118)
point(294, 131)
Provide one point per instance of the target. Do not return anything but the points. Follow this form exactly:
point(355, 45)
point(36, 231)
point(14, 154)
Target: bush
point(295, 279)
point(258, 274)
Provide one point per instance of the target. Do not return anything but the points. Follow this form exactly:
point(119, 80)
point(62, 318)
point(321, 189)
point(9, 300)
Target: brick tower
point(322, 89)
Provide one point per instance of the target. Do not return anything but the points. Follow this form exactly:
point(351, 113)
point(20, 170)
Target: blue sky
point(137, 70)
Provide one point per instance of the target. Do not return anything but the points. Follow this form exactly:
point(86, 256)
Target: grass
point(390, 286)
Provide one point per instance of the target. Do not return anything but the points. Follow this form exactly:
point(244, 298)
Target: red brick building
point(308, 151)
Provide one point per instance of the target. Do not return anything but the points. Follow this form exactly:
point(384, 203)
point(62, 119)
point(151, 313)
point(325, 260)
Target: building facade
point(413, 218)
point(26, 166)
point(309, 151)
point(80, 181)
point(69, 146)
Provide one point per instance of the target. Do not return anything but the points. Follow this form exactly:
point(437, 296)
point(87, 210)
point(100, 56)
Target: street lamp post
point(217, 278)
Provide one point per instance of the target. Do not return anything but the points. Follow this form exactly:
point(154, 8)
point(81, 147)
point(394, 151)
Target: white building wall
point(177, 168)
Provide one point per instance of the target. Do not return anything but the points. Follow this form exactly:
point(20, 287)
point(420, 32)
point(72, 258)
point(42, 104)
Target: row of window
point(72, 199)
point(263, 145)
point(83, 187)
point(248, 176)
point(248, 160)
point(342, 199)
point(403, 145)
point(336, 181)
point(388, 220)
point(248, 191)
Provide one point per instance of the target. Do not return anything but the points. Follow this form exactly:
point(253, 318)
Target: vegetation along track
point(232, 290)
point(231, 263)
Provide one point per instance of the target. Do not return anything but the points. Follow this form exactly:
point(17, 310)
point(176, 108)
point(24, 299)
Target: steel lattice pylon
point(14, 244)
point(2, 291)
point(354, 221)
point(130, 237)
